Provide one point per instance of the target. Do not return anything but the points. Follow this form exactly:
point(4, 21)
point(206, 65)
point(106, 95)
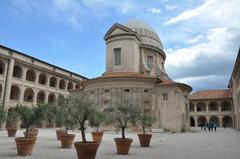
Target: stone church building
point(135, 74)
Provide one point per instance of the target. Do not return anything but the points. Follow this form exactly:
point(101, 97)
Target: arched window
point(28, 95)
point(62, 84)
point(17, 71)
point(51, 98)
point(0, 90)
point(202, 121)
point(53, 82)
point(227, 121)
point(31, 75)
point(2, 67)
point(191, 107)
point(40, 97)
point(213, 106)
point(42, 79)
point(70, 86)
point(201, 107)
point(215, 120)
point(15, 92)
point(226, 106)
point(77, 86)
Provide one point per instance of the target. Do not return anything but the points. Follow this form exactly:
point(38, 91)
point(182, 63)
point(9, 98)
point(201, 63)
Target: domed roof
point(146, 32)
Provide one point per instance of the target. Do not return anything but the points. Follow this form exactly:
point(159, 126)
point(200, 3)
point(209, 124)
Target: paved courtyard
point(223, 144)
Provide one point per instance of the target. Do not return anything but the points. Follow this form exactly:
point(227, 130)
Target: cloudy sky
point(201, 38)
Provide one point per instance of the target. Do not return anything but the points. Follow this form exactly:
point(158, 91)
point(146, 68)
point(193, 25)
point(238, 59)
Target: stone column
point(24, 73)
point(220, 120)
point(21, 96)
point(195, 121)
point(35, 97)
point(195, 107)
point(8, 84)
point(37, 77)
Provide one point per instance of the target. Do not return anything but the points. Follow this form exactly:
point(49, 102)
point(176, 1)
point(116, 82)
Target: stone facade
point(212, 106)
point(234, 85)
point(135, 74)
point(29, 81)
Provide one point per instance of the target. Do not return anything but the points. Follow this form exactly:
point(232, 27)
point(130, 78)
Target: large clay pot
point(11, 132)
point(67, 140)
point(25, 145)
point(97, 136)
point(144, 139)
point(86, 150)
point(59, 133)
point(123, 145)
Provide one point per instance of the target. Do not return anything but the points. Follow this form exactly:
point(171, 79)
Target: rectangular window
point(165, 96)
point(149, 62)
point(117, 54)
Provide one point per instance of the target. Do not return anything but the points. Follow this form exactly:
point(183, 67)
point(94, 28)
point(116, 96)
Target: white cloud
point(195, 39)
point(171, 7)
point(154, 10)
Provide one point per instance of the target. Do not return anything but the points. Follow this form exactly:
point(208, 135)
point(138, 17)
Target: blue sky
point(201, 38)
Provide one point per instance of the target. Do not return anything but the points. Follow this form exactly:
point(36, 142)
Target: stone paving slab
point(223, 144)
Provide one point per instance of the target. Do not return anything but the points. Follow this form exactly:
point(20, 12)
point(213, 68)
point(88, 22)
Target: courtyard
point(223, 144)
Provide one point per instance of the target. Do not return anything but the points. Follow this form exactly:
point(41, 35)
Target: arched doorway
point(42, 79)
point(201, 107)
point(31, 75)
point(17, 71)
point(227, 121)
point(202, 120)
point(40, 97)
point(51, 98)
point(53, 82)
point(15, 92)
point(62, 84)
point(215, 120)
point(70, 86)
point(28, 95)
point(226, 106)
point(192, 121)
point(213, 106)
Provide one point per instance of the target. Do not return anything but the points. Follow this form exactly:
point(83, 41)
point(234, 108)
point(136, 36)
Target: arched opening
point(30, 75)
point(53, 82)
point(0, 90)
point(226, 106)
point(62, 84)
point(42, 79)
point(17, 71)
point(201, 107)
point(40, 97)
point(227, 121)
point(191, 107)
point(192, 121)
point(15, 92)
point(2, 67)
point(202, 120)
point(77, 86)
point(213, 106)
point(28, 95)
point(51, 98)
point(70, 86)
point(215, 120)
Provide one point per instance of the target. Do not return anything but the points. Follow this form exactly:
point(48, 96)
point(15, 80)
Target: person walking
point(215, 127)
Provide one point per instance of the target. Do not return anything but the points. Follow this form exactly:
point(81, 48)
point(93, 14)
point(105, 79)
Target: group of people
point(209, 126)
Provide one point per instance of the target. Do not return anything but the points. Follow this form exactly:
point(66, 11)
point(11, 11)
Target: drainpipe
point(5, 87)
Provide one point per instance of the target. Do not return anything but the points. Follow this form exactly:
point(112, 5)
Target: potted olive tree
point(81, 110)
point(145, 120)
point(3, 115)
point(96, 119)
point(120, 115)
point(29, 116)
point(12, 119)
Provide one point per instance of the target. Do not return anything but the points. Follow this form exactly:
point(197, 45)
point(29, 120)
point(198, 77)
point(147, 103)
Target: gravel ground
point(223, 144)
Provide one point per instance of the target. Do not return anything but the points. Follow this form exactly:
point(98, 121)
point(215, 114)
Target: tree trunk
point(83, 134)
point(123, 133)
point(144, 130)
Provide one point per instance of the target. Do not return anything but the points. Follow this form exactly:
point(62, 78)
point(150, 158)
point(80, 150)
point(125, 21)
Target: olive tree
point(145, 119)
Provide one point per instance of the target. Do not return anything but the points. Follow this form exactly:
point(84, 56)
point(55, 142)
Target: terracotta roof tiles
point(211, 94)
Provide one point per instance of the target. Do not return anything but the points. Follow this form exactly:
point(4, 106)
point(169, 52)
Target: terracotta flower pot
point(59, 133)
point(11, 132)
point(97, 136)
point(67, 140)
point(144, 139)
point(25, 145)
point(123, 145)
point(32, 134)
point(86, 150)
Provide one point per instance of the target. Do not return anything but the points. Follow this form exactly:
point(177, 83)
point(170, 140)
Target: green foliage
point(31, 115)
point(61, 112)
point(121, 114)
point(3, 115)
point(51, 112)
point(80, 110)
point(12, 117)
point(145, 119)
point(96, 119)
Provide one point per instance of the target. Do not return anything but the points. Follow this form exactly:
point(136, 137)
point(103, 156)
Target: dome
point(146, 32)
